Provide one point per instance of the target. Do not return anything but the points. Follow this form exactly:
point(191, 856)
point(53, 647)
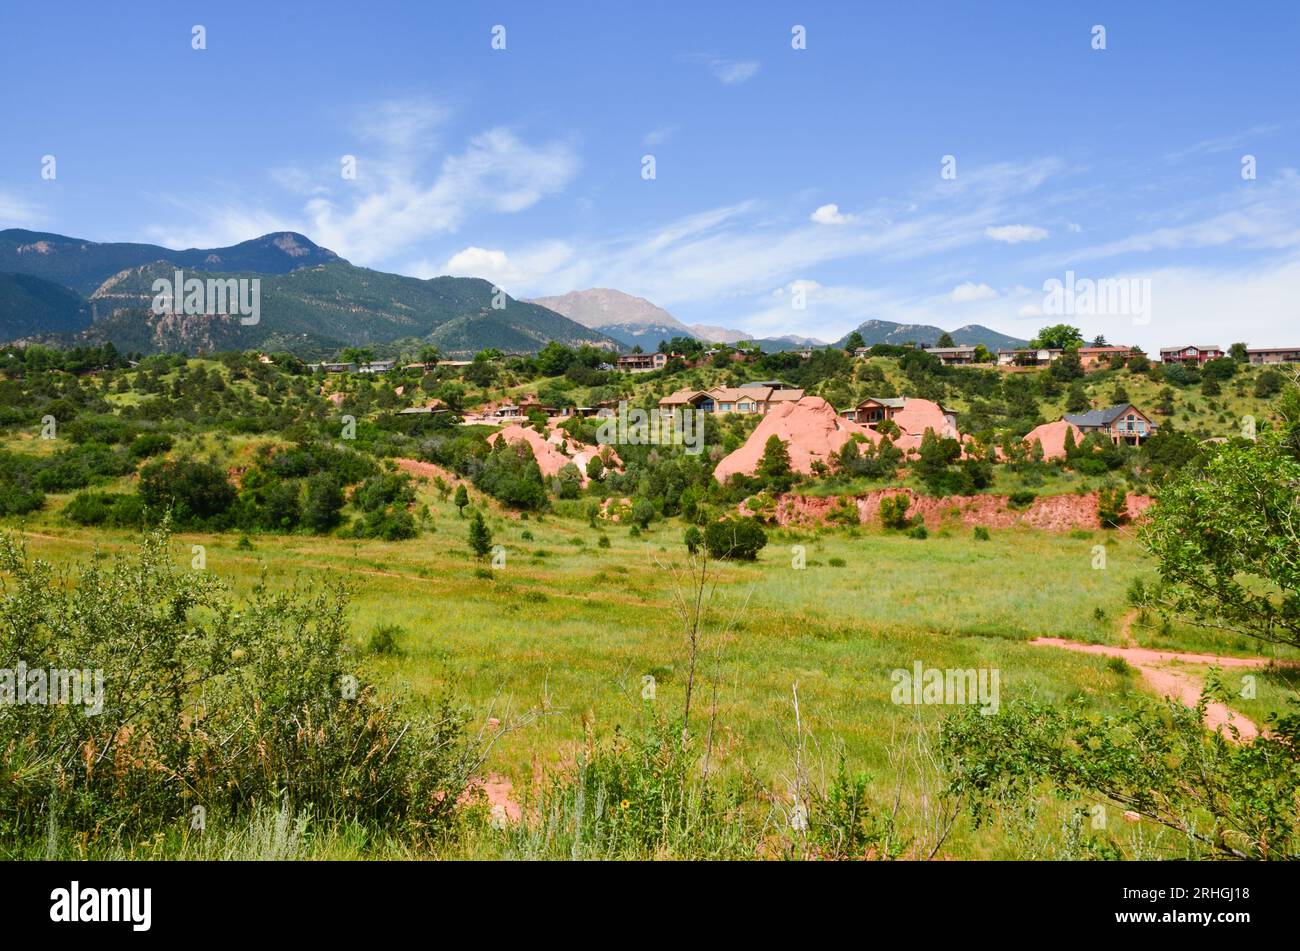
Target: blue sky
point(780, 174)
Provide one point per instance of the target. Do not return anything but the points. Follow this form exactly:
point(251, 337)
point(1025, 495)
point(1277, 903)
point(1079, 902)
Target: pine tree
point(462, 500)
point(480, 536)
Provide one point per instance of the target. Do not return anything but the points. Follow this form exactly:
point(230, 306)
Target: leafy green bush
point(116, 510)
point(511, 474)
point(149, 444)
point(203, 700)
point(196, 493)
point(893, 512)
point(1112, 507)
point(738, 538)
point(1021, 499)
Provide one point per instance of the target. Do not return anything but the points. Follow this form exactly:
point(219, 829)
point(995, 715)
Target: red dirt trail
point(1159, 670)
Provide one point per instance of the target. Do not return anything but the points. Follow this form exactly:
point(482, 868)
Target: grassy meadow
point(564, 634)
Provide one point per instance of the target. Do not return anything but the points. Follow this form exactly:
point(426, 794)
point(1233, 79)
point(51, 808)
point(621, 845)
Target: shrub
point(149, 444)
point(893, 511)
point(836, 562)
point(918, 531)
point(1112, 507)
point(199, 680)
point(738, 538)
point(981, 533)
point(1021, 499)
point(195, 492)
point(693, 538)
point(480, 536)
point(511, 474)
point(117, 510)
point(604, 542)
point(383, 641)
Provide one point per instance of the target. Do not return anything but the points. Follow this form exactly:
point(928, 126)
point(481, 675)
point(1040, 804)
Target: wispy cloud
point(18, 212)
point(729, 71)
point(1015, 234)
point(401, 195)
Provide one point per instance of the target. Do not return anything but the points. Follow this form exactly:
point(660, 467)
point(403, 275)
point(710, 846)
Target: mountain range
point(635, 321)
point(68, 291)
point(971, 335)
point(312, 302)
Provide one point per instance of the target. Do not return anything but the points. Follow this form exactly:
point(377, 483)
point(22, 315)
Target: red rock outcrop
point(810, 429)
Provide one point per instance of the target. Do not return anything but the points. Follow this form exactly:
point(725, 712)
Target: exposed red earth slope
point(556, 449)
point(1055, 512)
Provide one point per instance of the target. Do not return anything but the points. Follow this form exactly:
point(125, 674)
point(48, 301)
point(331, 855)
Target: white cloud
point(829, 215)
point(1030, 310)
point(525, 269)
point(969, 291)
point(658, 136)
point(732, 71)
point(396, 201)
point(16, 212)
point(1014, 234)
point(1074, 227)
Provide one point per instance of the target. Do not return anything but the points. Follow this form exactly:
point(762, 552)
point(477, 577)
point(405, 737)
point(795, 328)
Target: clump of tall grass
point(208, 704)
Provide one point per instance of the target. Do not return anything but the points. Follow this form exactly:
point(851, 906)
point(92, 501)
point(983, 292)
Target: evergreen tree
point(480, 536)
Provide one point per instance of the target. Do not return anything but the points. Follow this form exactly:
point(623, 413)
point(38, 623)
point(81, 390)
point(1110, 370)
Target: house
point(927, 414)
point(333, 367)
point(953, 356)
point(1197, 353)
point(874, 410)
point(1262, 355)
point(455, 364)
point(377, 366)
point(1091, 357)
point(1028, 357)
point(643, 362)
point(1122, 423)
point(731, 399)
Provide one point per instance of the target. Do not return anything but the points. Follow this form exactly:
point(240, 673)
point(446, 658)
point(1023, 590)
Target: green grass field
point(569, 630)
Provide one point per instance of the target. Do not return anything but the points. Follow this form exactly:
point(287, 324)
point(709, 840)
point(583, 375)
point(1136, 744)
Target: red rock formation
point(810, 429)
point(556, 449)
point(1051, 436)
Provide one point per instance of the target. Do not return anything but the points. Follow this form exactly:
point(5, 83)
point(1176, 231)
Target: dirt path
point(1160, 670)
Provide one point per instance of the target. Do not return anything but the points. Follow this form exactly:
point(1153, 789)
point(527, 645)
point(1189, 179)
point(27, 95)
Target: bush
point(480, 536)
point(738, 538)
point(981, 533)
point(149, 444)
point(195, 492)
point(116, 510)
point(918, 531)
point(693, 538)
point(214, 702)
point(1112, 507)
point(893, 512)
point(383, 641)
point(1021, 499)
point(511, 474)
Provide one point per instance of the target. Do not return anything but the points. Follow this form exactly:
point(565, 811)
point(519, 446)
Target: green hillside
point(315, 311)
point(84, 265)
point(30, 305)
